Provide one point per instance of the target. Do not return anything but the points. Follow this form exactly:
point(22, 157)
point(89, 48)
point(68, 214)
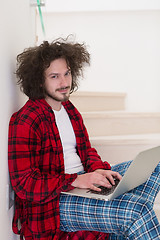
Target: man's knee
point(141, 209)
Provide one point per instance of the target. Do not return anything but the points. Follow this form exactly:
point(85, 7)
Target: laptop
point(138, 172)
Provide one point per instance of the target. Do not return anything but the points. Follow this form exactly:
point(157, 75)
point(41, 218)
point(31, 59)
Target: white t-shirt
point(72, 161)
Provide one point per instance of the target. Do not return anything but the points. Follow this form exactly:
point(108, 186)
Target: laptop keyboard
point(104, 190)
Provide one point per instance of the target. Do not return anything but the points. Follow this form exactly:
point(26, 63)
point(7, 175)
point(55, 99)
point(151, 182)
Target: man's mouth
point(63, 90)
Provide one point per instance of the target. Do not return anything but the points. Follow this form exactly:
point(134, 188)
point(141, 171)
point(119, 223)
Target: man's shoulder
point(70, 107)
point(30, 112)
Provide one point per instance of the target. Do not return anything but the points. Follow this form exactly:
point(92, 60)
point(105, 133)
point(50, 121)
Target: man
point(50, 152)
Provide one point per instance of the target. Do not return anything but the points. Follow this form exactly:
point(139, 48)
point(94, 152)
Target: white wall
point(17, 31)
point(124, 47)
point(101, 5)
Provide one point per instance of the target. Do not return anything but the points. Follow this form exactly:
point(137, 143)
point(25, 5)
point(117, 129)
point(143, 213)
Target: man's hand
point(110, 175)
point(101, 177)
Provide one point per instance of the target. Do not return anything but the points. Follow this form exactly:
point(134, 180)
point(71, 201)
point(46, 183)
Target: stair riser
point(121, 126)
point(115, 154)
point(157, 210)
point(98, 101)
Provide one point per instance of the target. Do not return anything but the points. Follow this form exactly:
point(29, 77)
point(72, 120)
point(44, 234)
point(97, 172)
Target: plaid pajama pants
point(129, 216)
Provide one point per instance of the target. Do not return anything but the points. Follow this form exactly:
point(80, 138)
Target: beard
point(62, 98)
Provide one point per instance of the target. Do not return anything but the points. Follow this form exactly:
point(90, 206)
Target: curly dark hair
point(32, 63)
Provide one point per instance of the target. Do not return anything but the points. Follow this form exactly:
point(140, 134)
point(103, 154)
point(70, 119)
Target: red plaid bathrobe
point(36, 167)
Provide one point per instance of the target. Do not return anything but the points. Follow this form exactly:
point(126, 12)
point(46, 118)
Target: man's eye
point(68, 73)
point(54, 76)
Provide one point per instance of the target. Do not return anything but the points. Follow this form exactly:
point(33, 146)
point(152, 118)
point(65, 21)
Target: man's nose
point(63, 81)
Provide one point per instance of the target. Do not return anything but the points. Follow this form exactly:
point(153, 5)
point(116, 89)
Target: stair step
point(121, 123)
point(117, 149)
point(157, 210)
point(98, 101)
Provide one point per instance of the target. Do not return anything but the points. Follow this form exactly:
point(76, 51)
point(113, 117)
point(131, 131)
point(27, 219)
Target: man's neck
point(55, 105)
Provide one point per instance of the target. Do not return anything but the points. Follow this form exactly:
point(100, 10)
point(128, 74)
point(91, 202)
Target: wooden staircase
point(116, 134)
